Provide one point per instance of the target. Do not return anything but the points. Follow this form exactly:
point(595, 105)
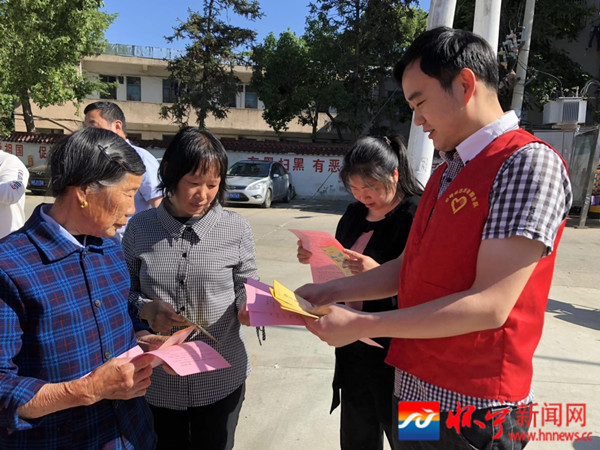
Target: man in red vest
point(474, 278)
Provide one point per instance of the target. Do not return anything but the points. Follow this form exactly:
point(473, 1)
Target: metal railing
point(141, 51)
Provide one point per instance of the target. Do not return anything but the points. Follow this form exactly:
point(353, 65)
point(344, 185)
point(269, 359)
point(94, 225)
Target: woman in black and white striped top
point(189, 259)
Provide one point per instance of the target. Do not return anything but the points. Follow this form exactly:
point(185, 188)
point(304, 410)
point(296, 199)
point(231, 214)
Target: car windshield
point(243, 169)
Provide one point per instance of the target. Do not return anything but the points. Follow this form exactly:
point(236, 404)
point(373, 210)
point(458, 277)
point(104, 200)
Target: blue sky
point(146, 22)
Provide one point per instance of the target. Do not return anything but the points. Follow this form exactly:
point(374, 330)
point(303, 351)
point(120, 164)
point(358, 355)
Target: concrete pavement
point(289, 391)
point(288, 394)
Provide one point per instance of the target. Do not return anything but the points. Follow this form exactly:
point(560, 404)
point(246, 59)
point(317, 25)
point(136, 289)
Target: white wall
point(30, 154)
point(152, 89)
point(312, 176)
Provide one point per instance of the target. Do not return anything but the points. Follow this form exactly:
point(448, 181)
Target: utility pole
point(519, 89)
point(486, 22)
point(420, 147)
point(441, 13)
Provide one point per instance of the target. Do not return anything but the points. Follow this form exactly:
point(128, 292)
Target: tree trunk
point(336, 126)
point(27, 114)
point(314, 125)
point(201, 114)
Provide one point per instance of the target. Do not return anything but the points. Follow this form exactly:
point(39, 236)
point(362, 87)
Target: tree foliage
point(341, 64)
point(550, 70)
point(43, 42)
point(204, 74)
point(279, 74)
point(7, 107)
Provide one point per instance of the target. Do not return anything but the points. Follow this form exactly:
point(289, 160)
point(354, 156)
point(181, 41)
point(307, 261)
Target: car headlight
point(259, 185)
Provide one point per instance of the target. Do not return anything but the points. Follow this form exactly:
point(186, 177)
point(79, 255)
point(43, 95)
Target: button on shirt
point(454, 165)
point(530, 197)
point(200, 269)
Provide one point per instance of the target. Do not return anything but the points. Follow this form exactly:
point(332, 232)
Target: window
point(51, 131)
point(280, 169)
point(233, 99)
point(170, 91)
point(111, 92)
point(251, 99)
point(134, 89)
point(134, 136)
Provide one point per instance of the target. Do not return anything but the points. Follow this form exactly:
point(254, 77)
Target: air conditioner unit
point(565, 110)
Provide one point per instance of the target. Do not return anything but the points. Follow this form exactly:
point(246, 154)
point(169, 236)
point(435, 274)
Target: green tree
point(550, 70)
point(7, 107)
point(279, 75)
point(205, 73)
point(342, 63)
point(371, 36)
point(43, 42)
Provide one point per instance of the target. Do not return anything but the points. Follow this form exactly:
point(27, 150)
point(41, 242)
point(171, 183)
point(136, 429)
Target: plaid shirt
point(530, 197)
point(200, 267)
point(64, 312)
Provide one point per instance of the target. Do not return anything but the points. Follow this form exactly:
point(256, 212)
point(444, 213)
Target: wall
point(312, 176)
point(30, 154)
point(152, 90)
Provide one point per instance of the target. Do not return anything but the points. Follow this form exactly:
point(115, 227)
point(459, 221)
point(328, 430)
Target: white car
point(258, 183)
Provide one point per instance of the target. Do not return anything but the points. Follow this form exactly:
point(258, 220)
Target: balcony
point(140, 51)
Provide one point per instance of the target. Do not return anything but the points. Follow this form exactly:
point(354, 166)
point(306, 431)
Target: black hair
point(443, 52)
point(192, 149)
point(91, 157)
point(109, 112)
point(376, 158)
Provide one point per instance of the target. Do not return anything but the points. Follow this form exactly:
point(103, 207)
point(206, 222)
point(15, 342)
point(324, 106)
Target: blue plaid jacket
point(64, 312)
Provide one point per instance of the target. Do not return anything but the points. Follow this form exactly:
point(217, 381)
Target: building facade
point(141, 87)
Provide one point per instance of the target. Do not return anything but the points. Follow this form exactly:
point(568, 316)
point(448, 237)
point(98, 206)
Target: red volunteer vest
point(440, 259)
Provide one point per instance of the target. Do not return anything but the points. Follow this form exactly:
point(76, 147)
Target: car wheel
point(288, 194)
point(268, 199)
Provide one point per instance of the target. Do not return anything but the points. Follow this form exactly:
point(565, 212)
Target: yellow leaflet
point(338, 258)
point(289, 300)
point(298, 311)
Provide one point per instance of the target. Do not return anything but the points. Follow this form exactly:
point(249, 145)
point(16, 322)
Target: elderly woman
point(64, 313)
point(189, 259)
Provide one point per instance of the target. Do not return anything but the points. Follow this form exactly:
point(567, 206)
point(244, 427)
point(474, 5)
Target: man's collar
point(449, 157)
point(472, 146)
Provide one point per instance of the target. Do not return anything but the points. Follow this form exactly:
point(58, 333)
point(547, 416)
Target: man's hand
point(338, 325)
point(119, 379)
point(317, 294)
point(358, 263)
point(161, 316)
point(303, 254)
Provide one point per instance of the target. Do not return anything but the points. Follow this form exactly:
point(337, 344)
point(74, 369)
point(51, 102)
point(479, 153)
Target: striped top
point(199, 268)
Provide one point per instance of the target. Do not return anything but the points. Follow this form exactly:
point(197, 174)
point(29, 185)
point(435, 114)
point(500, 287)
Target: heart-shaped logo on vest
point(458, 203)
